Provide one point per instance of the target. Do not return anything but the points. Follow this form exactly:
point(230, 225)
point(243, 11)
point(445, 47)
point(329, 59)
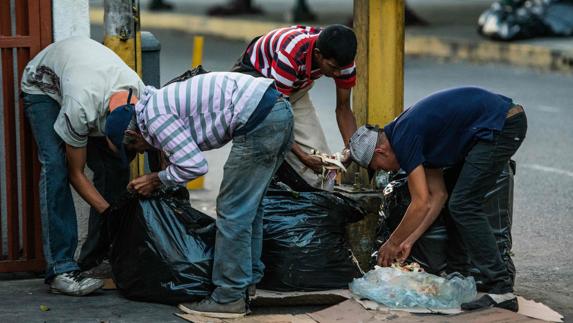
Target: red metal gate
point(25, 28)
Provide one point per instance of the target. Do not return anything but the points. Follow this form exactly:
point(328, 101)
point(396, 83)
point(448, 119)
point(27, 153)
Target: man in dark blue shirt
point(465, 125)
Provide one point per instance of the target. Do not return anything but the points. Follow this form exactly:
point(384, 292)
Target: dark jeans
point(110, 178)
point(482, 166)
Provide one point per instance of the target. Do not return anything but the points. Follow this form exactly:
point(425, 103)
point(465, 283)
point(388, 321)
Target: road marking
point(548, 169)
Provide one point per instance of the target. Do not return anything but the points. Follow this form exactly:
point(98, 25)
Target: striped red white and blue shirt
point(201, 113)
point(285, 55)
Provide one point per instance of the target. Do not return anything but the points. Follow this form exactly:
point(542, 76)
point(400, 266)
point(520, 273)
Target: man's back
point(439, 129)
point(285, 55)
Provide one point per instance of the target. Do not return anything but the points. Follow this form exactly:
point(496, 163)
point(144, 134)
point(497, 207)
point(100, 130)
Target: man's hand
point(346, 157)
point(388, 253)
point(313, 162)
point(145, 185)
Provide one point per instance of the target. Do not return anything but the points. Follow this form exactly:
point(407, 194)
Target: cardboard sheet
point(327, 297)
point(538, 310)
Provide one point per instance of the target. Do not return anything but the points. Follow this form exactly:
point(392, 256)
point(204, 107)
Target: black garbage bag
point(304, 245)
point(521, 19)
point(432, 249)
point(162, 248)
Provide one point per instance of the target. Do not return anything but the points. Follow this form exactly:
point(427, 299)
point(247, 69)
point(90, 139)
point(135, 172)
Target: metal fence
point(25, 28)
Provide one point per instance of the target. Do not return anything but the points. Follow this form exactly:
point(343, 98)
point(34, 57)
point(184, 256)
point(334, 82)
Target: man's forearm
point(298, 152)
point(414, 215)
point(346, 122)
point(436, 205)
point(88, 192)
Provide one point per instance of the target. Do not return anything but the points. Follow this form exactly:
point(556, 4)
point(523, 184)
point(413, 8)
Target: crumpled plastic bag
point(398, 289)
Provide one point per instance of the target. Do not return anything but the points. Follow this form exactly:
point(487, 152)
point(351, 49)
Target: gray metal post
point(150, 49)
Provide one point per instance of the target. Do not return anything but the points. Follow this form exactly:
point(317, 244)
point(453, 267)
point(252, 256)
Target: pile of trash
point(397, 288)
point(520, 19)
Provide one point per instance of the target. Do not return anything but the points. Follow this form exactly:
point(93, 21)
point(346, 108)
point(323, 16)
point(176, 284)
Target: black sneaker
point(488, 301)
point(74, 284)
point(208, 307)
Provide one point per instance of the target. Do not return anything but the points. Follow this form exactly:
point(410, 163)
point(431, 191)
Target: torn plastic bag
point(398, 289)
point(431, 250)
point(304, 247)
point(162, 248)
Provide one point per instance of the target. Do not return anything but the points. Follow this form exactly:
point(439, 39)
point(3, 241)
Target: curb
point(515, 54)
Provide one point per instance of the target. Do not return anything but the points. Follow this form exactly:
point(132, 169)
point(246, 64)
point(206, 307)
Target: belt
point(515, 109)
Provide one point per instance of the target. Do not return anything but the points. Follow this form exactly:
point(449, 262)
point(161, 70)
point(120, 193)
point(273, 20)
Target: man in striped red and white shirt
point(202, 113)
point(294, 57)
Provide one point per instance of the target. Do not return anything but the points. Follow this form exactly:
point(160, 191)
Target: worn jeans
point(252, 162)
point(58, 216)
point(482, 166)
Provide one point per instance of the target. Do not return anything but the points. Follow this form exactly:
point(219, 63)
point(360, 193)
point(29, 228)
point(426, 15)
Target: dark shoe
point(74, 284)
point(101, 271)
point(487, 301)
point(208, 307)
point(160, 6)
point(237, 7)
point(303, 15)
point(252, 290)
point(412, 19)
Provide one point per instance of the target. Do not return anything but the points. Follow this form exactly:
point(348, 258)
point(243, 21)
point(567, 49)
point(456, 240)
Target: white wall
point(70, 18)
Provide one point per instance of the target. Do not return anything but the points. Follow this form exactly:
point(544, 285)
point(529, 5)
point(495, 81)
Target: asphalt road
point(543, 218)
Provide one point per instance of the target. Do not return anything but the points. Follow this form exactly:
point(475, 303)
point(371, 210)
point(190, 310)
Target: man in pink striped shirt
point(294, 57)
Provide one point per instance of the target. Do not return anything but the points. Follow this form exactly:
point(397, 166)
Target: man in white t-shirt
point(70, 89)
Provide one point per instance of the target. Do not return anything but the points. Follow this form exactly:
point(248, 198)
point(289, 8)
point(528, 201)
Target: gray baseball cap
point(363, 143)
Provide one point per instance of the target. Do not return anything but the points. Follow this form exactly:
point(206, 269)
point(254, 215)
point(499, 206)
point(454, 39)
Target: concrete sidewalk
point(451, 33)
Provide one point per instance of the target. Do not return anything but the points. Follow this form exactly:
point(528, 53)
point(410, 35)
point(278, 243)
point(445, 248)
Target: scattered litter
point(44, 308)
point(402, 289)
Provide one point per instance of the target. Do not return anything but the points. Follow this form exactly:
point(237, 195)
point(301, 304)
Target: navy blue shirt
point(439, 130)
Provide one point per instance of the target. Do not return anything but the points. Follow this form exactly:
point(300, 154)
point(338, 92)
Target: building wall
point(70, 18)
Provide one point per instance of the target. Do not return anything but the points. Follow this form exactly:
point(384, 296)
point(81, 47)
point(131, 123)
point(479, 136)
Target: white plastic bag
point(398, 289)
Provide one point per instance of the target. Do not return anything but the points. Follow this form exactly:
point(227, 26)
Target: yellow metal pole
point(199, 182)
point(197, 51)
point(385, 60)
point(122, 35)
point(378, 95)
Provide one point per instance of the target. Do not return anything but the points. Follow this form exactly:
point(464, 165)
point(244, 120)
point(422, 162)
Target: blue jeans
point(59, 226)
point(253, 160)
